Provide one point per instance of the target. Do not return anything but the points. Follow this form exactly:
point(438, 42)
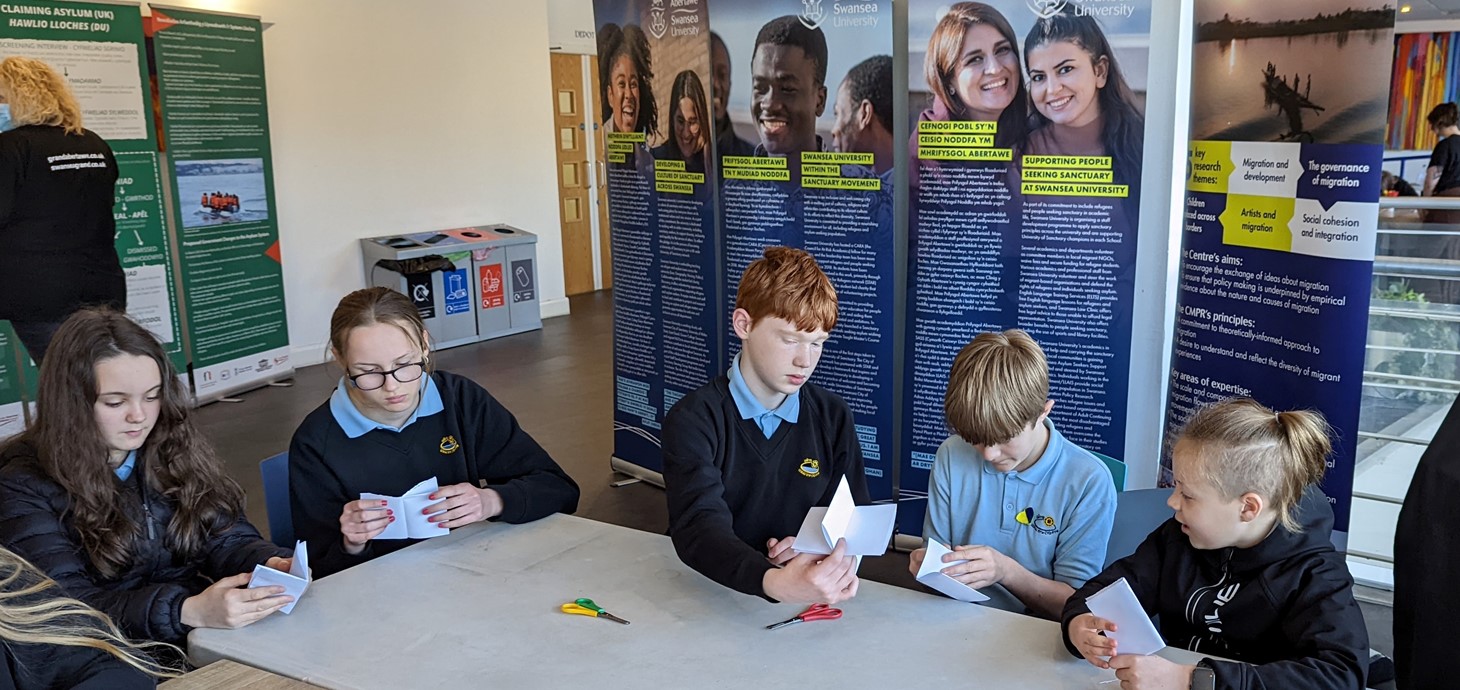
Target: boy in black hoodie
point(1244, 571)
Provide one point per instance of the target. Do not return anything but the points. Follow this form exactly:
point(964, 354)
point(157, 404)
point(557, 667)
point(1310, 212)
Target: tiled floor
point(558, 382)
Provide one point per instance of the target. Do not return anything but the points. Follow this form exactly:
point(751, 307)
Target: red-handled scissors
point(817, 612)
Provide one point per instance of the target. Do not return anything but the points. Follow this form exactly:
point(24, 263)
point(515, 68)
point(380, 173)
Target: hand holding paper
point(931, 574)
point(413, 523)
point(1134, 633)
point(294, 582)
point(867, 529)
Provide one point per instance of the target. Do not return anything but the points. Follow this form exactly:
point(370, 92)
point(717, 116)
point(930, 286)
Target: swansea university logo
point(811, 14)
point(657, 25)
point(1044, 9)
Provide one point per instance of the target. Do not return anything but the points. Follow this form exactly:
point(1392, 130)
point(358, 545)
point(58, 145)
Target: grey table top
point(481, 606)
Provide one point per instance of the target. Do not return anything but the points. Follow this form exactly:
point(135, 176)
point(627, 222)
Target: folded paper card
point(867, 529)
point(294, 582)
point(411, 522)
point(1134, 633)
point(931, 575)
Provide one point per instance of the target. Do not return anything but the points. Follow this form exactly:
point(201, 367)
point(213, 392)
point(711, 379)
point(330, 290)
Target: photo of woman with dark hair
point(973, 72)
point(689, 124)
point(625, 70)
point(1082, 104)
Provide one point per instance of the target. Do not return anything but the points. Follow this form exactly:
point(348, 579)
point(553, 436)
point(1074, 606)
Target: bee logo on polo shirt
point(810, 467)
point(1043, 524)
point(449, 445)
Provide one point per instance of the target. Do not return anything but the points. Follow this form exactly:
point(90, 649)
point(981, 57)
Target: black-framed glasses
point(405, 373)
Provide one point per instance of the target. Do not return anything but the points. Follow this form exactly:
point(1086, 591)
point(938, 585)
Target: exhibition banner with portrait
point(654, 106)
point(1287, 126)
point(100, 49)
point(12, 405)
point(209, 71)
point(1025, 187)
point(805, 154)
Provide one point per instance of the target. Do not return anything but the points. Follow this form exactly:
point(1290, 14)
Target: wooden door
point(600, 181)
point(571, 141)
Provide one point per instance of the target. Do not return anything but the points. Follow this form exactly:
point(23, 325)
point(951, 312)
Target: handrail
point(1439, 203)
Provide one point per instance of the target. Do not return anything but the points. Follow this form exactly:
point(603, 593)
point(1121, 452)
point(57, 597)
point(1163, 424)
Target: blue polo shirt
point(124, 470)
point(343, 409)
point(768, 420)
point(1053, 518)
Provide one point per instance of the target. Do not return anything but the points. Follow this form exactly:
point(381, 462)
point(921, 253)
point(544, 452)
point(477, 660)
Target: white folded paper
point(294, 582)
point(931, 575)
point(410, 521)
point(867, 529)
point(1134, 634)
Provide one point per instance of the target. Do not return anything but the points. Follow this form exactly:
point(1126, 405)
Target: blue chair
point(1116, 467)
point(1137, 513)
point(275, 471)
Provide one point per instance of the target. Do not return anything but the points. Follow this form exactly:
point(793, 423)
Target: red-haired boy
point(747, 454)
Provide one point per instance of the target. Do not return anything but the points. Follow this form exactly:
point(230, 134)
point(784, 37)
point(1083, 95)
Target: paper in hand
point(410, 522)
point(867, 529)
point(1134, 633)
point(931, 575)
point(294, 582)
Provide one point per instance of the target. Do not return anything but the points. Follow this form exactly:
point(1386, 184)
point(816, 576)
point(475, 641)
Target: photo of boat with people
point(214, 192)
point(1298, 70)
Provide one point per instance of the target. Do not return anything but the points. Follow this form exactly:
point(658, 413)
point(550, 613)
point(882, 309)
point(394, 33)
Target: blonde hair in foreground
point(1243, 446)
point(38, 95)
point(34, 611)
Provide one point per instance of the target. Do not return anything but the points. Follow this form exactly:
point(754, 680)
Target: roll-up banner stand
point(215, 122)
point(99, 47)
point(654, 109)
point(810, 164)
point(1026, 160)
point(12, 404)
point(1287, 130)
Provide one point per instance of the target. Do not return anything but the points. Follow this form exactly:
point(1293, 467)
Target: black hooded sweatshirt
point(1284, 607)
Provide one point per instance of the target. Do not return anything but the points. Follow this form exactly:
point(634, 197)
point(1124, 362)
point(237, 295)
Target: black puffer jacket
point(1285, 607)
point(146, 599)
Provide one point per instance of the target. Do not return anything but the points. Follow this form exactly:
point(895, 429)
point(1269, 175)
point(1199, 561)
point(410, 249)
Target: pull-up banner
point(215, 121)
point(12, 406)
point(1281, 214)
point(1025, 174)
point(654, 106)
point(809, 164)
point(99, 48)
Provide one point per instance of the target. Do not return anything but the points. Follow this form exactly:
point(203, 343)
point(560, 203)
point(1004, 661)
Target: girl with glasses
point(392, 423)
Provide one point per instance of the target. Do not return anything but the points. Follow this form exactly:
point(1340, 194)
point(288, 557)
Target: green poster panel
point(100, 49)
point(12, 408)
point(210, 82)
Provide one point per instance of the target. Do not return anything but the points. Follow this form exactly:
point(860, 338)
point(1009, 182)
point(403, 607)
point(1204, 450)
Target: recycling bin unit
point(489, 289)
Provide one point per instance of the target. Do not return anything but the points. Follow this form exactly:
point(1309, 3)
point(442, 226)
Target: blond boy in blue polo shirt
point(1027, 509)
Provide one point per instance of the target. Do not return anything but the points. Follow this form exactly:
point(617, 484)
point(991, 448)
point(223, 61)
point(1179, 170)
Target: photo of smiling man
point(788, 87)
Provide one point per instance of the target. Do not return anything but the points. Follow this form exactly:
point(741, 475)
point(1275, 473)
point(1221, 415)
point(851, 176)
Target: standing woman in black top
point(57, 188)
point(391, 423)
point(1442, 178)
point(119, 498)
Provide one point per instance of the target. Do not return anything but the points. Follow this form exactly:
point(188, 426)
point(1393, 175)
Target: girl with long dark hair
point(118, 497)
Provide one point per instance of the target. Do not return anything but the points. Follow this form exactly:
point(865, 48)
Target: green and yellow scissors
point(586, 607)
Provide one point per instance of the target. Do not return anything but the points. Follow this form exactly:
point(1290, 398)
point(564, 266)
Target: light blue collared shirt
point(750, 408)
point(357, 425)
point(1053, 518)
point(124, 470)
